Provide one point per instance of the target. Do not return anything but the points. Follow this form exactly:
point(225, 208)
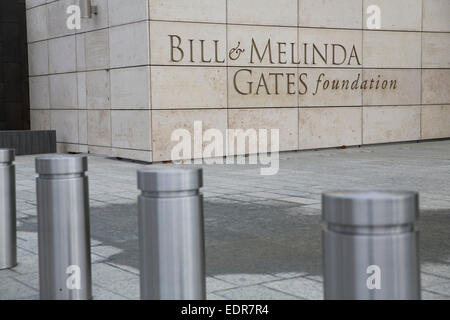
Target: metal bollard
point(8, 238)
point(371, 246)
point(171, 240)
point(63, 228)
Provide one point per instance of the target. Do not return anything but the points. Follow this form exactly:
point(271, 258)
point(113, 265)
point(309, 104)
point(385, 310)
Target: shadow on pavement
point(251, 238)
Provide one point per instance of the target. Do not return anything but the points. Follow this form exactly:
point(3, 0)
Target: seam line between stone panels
point(362, 71)
point(298, 75)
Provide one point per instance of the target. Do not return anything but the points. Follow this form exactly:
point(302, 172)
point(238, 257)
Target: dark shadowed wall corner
point(14, 98)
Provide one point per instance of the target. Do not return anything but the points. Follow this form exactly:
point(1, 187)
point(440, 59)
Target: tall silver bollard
point(8, 240)
point(371, 246)
point(171, 240)
point(63, 228)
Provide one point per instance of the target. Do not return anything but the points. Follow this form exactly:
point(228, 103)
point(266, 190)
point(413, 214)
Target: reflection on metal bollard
point(63, 228)
point(171, 240)
point(8, 239)
point(370, 245)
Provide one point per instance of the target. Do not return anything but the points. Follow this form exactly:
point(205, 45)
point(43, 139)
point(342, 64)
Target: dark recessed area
point(14, 99)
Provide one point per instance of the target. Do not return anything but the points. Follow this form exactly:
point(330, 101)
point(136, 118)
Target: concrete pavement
point(263, 236)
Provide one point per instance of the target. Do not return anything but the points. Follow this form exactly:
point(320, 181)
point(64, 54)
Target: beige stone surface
point(37, 24)
point(38, 58)
point(164, 122)
point(391, 49)
point(62, 54)
point(129, 45)
point(330, 13)
point(80, 40)
point(57, 18)
point(322, 37)
point(82, 94)
point(106, 151)
point(83, 148)
point(263, 12)
point(100, 20)
point(261, 35)
point(67, 148)
point(284, 119)
point(82, 127)
point(39, 92)
point(97, 90)
point(435, 122)
point(99, 127)
point(319, 94)
point(436, 50)
point(407, 91)
point(193, 10)
point(262, 87)
point(396, 14)
point(132, 154)
point(161, 34)
point(329, 127)
point(130, 88)
point(40, 119)
point(63, 91)
point(189, 87)
point(131, 129)
point(97, 50)
point(436, 15)
point(391, 124)
point(65, 122)
point(126, 11)
point(436, 86)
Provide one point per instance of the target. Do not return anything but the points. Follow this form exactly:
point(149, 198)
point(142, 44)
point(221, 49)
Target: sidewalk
point(263, 237)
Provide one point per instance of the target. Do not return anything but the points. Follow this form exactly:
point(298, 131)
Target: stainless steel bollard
point(371, 246)
point(171, 240)
point(8, 238)
point(63, 228)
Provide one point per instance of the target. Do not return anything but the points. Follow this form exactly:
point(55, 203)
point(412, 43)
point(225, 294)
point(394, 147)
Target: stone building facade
point(140, 69)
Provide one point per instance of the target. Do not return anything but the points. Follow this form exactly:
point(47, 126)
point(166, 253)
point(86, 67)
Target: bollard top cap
point(370, 208)
point(7, 155)
point(61, 164)
point(170, 178)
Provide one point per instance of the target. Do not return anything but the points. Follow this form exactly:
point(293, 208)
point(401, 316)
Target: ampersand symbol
point(236, 52)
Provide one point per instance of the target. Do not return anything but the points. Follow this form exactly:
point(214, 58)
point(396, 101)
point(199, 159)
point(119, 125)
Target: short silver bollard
point(171, 240)
point(371, 245)
point(8, 239)
point(63, 228)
